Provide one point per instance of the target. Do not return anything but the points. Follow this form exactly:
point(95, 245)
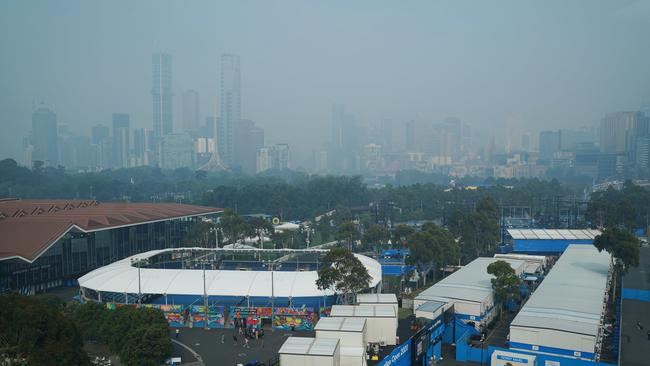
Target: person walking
point(246, 343)
point(223, 338)
point(178, 333)
point(234, 340)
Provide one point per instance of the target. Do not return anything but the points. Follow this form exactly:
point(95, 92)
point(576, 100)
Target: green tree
point(347, 233)
point(401, 233)
point(201, 235)
point(433, 246)
point(32, 329)
point(621, 244)
point(376, 234)
point(506, 283)
point(344, 273)
point(232, 225)
point(261, 227)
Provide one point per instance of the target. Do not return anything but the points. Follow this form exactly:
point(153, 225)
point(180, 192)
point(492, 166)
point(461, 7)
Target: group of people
point(246, 334)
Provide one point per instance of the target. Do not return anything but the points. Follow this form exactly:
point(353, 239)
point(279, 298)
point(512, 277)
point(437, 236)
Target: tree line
point(44, 330)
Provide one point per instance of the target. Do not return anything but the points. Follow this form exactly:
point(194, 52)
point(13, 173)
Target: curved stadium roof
point(122, 277)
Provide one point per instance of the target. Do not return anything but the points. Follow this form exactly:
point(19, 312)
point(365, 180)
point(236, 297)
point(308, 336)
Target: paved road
point(207, 343)
point(635, 341)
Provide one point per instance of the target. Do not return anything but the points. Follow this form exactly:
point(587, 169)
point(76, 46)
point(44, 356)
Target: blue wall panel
point(541, 358)
point(633, 294)
point(545, 245)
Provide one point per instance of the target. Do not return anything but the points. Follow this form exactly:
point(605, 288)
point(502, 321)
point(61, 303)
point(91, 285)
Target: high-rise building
point(230, 106)
point(619, 131)
point(45, 140)
point(549, 144)
point(345, 143)
point(121, 137)
point(275, 157)
point(191, 112)
point(161, 93)
point(410, 136)
point(99, 133)
point(250, 139)
point(177, 151)
point(143, 147)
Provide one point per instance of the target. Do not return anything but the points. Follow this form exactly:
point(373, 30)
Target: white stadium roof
point(470, 283)
point(571, 297)
point(122, 277)
point(553, 234)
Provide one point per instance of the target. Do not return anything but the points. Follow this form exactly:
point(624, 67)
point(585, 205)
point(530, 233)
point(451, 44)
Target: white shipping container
point(381, 321)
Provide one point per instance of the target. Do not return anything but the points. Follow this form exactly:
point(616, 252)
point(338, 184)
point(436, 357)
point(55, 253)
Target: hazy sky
point(552, 63)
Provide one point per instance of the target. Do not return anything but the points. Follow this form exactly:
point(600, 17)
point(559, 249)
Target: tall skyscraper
point(619, 131)
point(230, 106)
point(121, 137)
point(45, 137)
point(250, 139)
point(143, 146)
point(191, 112)
point(161, 93)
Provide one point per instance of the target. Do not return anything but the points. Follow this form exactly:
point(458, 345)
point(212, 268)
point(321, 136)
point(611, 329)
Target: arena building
point(245, 277)
point(50, 243)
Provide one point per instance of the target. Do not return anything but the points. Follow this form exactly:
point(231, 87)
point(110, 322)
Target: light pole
point(271, 265)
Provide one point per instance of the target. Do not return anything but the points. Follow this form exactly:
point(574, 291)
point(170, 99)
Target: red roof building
point(29, 229)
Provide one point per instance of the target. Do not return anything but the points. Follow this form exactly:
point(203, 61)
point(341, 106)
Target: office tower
point(619, 131)
point(161, 93)
point(549, 144)
point(143, 146)
point(525, 141)
point(99, 133)
point(386, 135)
point(84, 157)
point(66, 148)
point(177, 151)
point(45, 140)
point(410, 136)
point(567, 139)
point(191, 112)
point(250, 139)
point(230, 106)
point(345, 143)
point(121, 136)
point(275, 157)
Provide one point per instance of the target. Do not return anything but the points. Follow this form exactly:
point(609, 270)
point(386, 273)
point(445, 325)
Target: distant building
point(250, 139)
point(44, 137)
point(410, 136)
point(619, 131)
point(121, 139)
point(177, 151)
point(275, 157)
point(549, 144)
point(161, 93)
point(191, 111)
point(144, 147)
point(99, 133)
point(230, 106)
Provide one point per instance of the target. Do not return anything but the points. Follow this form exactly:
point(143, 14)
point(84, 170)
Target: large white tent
point(124, 277)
